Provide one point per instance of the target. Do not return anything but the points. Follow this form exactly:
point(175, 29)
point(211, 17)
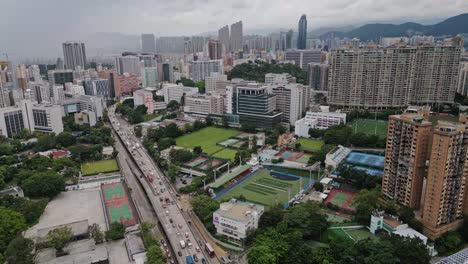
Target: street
point(162, 196)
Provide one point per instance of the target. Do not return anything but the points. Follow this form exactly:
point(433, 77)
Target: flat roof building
point(235, 219)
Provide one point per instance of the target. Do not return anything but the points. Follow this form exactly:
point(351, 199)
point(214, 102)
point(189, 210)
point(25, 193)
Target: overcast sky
point(37, 27)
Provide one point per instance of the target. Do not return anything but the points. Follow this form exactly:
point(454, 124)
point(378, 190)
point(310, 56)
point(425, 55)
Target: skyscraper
point(445, 202)
point(289, 36)
point(223, 36)
point(74, 55)
point(302, 37)
point(405, 158)
point(148, 43)
point(237, 37)
point(130, 64)
point(215, 49)
point(394, 76)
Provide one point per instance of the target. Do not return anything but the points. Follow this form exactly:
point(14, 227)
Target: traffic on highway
point(186, 245)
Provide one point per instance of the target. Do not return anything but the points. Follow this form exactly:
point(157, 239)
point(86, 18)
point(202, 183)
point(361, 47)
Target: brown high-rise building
point(405, 157)
point(445, 200)
point(215, 49)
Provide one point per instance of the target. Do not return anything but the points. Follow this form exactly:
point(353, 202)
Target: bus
point(188, 259)
point(209, 250)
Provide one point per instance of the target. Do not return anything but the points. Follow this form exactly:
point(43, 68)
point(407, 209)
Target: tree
point(306, 218)
point(297, 146)
point(6, 149)
point(173, 105)
point(201, 86)
point(116, 231)
point(366, 202)
point(154, 255)
point(30, 209)
point(242, 155)
point(209, 121)
point(272, 217)
point(20, 251)
point(95, 233)
point(43, 184)
point(448, 242)
point(65, 139)
point(225, 121)
point(138, 131)
point(409, 249)
point(248, 127)
point(173, 171)
point(45, 142)
point(59, 237)
point(197, 150)
point(318, 186)
point(11, 224)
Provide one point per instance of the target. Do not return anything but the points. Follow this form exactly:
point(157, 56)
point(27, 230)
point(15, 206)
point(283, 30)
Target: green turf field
point(315, 174)
point(360, 234)
point(207, 138)
point(335, 218)
point(336, 233)
point(117, 213)
point(227, 154)
point(340, 199)
point(266, 190)
point(103, 166)
point(370, 127)
point(310, 144)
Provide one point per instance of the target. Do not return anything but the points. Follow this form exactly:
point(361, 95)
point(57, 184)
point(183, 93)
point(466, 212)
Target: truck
point(182, 244)
point(188, 259)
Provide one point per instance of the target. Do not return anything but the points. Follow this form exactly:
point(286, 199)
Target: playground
point(96, 167)
point(267, 188)
point(341, 198)
point(117, 203)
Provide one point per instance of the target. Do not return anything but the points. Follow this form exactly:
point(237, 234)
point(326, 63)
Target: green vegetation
point(370, 127)
point(134, 116)
point(116, 231)
point(435, 119)
point(343, 135)
point(264, 189)
point(11, 224)
point(43, 184)
point(204, 207)
point(94, 231)
point(227, 154)
point(20, 251)
point(310, 144)
point(103, 166)
point(59, 237)
point(154, 254)
point(256, 72)
point(360, 234)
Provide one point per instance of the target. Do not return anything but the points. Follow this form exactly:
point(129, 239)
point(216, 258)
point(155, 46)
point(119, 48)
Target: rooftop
point(229, 176)
point(239, 211)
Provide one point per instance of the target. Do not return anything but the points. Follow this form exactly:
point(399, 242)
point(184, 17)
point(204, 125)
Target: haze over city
point(46, 24)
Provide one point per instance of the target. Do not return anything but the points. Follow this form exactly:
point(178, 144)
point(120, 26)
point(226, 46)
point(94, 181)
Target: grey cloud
point(37, 27)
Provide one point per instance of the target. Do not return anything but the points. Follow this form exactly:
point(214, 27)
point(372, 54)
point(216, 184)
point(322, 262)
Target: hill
point(451, 26)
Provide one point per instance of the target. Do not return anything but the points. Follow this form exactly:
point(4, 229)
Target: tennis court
point(359, 234)
point(293, 156)
point(194, 163)
point(341, 198)
point(365, 159)
point(116, 191)
point(121, 214)
point(228, 142)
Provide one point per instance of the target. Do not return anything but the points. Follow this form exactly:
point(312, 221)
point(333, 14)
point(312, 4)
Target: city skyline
point(182, 18)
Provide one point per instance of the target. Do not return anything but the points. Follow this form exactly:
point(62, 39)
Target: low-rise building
point(107, 151)
point(319, 120)
point(202, 105)
point(85, 117)
point(235, 219)
point(336, 156)
point(174, 92)
point(380, 221)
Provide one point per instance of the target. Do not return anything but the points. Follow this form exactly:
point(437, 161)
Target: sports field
point(304, 173)
point(370, 127)
point(103, 166)
point(359, 234)
point(265, 189)
point(118, 207)
point(341, 198)
point(207, 138)
point(310, 144)
point(353, 234)
point(227, 154)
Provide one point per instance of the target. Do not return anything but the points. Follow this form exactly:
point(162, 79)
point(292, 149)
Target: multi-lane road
point(161, 196)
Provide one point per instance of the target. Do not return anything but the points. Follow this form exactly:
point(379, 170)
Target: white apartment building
point(174, 92)
point(202, 105)
point(291, 99)
point(320, 120)
point(203, 69)
point(93, 104)
point(216, 82)
point(275, 78)
point(463, 79)
point(235, 218)
point(40, 91)
point(45, 118)
point(149, 76)
point(143, 97)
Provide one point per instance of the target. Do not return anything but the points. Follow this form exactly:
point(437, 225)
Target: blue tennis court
point(365, 159)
